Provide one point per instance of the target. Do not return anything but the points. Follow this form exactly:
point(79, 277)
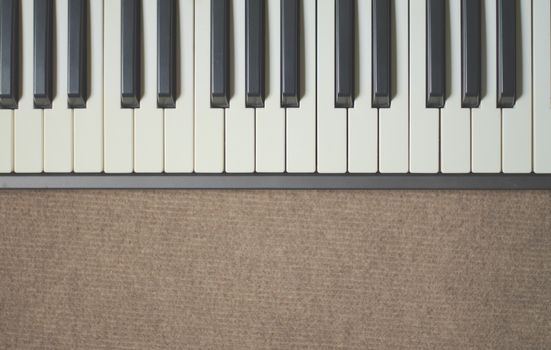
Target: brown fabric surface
point(275, 269)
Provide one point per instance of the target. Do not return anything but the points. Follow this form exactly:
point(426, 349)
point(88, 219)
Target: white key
point(332, 128)
point(28, 124)
point(118, 122)
point(301, 122)
point(148, 119)
point(362, 119)
point(209, 122)
point(486, 120)
point(394, 121)
point(179, 120)
point(239, 119)
point(455, 127)
point(424, 122)
point(542, 86)
point(58, 121)
point(6, 140)
point(88, 122)
point(270, 120)
point(517, 121)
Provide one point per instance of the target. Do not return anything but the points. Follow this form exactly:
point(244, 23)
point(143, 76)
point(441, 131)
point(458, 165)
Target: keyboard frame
point(277, 181)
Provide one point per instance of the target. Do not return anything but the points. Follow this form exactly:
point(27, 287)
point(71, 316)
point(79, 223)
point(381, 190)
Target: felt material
point(275, 270)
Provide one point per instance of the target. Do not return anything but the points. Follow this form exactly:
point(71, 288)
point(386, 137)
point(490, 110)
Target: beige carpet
point(276, 270)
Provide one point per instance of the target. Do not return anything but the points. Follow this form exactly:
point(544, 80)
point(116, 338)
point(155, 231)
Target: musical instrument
point(275, 93)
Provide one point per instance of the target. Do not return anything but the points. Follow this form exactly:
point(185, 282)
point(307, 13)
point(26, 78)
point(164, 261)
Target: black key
point(77, 70)
point(43, 42)
point(254, 53)
point(380, 53)
point(130, 54)
point(344, 53)
point(436, 54)
point(166, 53)
point(219, 53)
point(471, 56)
point(506, 53)
point(290, 78)
point(9, 53)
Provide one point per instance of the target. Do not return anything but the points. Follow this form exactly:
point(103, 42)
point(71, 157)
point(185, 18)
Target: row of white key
point(193, 137)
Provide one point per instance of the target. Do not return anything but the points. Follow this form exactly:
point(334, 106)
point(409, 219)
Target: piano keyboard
point(275, 93)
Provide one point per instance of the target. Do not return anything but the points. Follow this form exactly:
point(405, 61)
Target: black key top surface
point(506, 53)
point(436, 53)
point(78, 68)
point(254, 53)
point(381, 53)
point(9, 53)
point(43, 42)
point(166, 53)
point(130, 54)
point(220, 52)
point(471, 56)
point(290, 77)
point(344, 53)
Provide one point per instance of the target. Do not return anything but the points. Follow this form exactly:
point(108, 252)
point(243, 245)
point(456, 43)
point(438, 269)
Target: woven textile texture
point(275, 270)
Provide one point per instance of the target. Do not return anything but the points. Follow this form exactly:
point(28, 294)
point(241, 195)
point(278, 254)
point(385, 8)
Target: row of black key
point(255, 64)
point(43, 53)
point(471, 66)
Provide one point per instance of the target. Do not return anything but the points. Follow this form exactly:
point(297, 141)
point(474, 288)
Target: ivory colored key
point(28, 121)
point(6, 140)
point(209, 122)
point(9, 78)
point(148, 118)
point(424, 122)
point(486, 120)
point(301, 122)
point(517, 121)
point(179, 136)
point(270, 120)
point(332, 121)
point(455, 127)
point(541, 14)
point(118, 121)
point(394, 121)
point(58, 120)
point(240, 138)
point(88, 122)
point(362, 119)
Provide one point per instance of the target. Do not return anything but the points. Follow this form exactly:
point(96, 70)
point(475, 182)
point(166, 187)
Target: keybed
point(275, 86)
